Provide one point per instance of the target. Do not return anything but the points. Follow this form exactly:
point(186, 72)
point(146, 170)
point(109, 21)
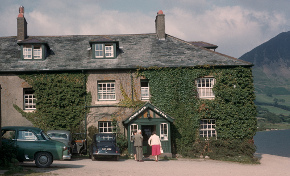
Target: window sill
point(29, 110)
point(106, 102)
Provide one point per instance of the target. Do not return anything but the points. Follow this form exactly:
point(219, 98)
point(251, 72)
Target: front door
point(146, 132)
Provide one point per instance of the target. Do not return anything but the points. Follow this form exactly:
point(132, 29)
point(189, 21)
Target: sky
point(235, 26)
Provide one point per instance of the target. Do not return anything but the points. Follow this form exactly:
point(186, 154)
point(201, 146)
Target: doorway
point(146, 132)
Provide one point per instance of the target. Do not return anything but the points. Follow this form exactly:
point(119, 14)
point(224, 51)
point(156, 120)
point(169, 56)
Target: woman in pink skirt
point(154, 141)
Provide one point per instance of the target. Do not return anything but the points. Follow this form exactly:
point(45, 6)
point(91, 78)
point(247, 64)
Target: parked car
point(32, 144)
point(104, 145)
point(63, 136)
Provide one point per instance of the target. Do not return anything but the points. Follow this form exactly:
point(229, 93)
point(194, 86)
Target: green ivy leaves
point(174, 91)
point(60, 100)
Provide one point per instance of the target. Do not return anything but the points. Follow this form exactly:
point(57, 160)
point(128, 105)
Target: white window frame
point(104, 50)
point(37, 52)
point(99, 50)
point(106, 91)
point(145, 91)
point(105, 127)
point(109, 50)
point(32, 52)
point(133, 127)
point(164, 132)
point(205, 88)
point(29, 99)
point(207, 128)
point(27, 52)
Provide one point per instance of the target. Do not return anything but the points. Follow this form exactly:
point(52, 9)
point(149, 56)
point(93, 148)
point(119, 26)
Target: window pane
point(106, 91)
point(105, 127)
point(99, 50)
point(207, 128)
point(109, 50)
point(29, 99)
point(145, 90)
point(37, 52)
point(205, 87)
point(27, 52)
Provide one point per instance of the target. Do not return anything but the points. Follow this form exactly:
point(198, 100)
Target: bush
point(122, 142)
point(7, 155)
point(233, 150)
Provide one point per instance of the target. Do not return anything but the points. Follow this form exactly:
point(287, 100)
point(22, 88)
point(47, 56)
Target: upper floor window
point(207, 128)
point(106, 91)
point(105, 127)
point(145, 89)
point(32, 52)
point(104, 50)
point(205, 88)
point(29, 99)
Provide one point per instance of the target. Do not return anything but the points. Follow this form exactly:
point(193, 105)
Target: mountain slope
point(272, 63)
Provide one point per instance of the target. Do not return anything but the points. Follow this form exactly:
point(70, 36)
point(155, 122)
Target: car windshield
point(58, 135)
point(102, 138)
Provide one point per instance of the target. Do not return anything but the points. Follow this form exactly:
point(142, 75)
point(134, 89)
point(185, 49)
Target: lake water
point(275, 142)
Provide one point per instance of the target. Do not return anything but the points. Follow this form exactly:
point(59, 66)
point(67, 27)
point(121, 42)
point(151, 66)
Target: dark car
point(63, 136)
point(104, 145)
point(32, 144)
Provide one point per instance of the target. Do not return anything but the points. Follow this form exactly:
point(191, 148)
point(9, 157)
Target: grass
point(266, 99)
point(269, 126)
point(276, 110)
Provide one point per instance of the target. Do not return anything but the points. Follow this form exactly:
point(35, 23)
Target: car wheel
point(43, 159)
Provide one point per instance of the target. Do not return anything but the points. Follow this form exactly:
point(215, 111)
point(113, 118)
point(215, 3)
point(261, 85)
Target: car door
point(28, 144)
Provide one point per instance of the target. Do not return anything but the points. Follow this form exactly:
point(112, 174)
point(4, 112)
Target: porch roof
point(144, 108)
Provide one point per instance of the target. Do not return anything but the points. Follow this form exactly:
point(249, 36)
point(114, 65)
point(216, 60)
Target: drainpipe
point(85, 106)
point(132, 87)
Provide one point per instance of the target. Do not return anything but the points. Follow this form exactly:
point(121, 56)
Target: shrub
point(7, 155)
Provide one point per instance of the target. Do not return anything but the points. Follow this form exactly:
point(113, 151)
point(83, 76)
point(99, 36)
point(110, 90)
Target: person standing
point(138, 143)
point(154, 141)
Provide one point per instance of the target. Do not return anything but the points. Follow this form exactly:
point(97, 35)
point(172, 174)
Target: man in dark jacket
point(138, 143)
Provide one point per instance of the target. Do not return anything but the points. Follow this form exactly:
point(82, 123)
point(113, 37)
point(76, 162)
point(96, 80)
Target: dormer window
point(32, 52)
point(33, 49)
point(104, 50)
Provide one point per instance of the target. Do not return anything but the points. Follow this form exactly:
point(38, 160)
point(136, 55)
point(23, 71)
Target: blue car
point(104, 145)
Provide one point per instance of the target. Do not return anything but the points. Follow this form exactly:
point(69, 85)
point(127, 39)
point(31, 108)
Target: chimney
point(160, 25)
point(21, 25)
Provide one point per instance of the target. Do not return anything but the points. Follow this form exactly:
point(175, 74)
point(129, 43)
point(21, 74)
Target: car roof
point(59, 131)
point(34, 129)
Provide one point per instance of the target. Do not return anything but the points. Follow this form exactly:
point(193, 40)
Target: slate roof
point(72, 52)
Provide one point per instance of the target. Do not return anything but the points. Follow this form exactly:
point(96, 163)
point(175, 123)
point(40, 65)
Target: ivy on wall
point(174, 91)
point(60, 100)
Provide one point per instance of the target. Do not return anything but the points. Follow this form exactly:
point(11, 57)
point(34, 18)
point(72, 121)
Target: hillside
point(271, 65)
point(271, 73)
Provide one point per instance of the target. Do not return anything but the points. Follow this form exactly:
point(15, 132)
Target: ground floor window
point(207, 128)
point(164, 131)
point(105, 127)
point(133, 127)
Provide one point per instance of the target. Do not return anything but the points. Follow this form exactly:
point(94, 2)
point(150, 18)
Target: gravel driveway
point(270, 165)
